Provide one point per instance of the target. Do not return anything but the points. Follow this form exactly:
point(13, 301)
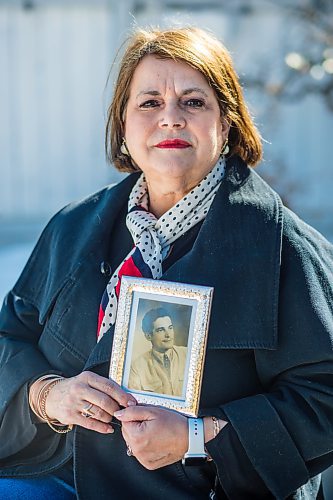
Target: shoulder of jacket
point(95, 201)
point(302, 237)
point(69, 237)
point(88, 212)
point(246, 187)
point(246, 198)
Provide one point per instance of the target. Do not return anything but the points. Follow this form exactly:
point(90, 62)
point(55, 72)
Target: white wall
point(54, 61)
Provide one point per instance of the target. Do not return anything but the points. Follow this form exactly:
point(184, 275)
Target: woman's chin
point(175, 170)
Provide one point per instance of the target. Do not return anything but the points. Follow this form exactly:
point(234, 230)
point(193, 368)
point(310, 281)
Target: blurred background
point(55, 57)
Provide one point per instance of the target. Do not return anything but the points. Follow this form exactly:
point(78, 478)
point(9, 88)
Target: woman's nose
point(172, 117)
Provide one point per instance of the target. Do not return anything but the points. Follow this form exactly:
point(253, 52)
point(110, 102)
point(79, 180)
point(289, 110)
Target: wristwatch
point(196, 454)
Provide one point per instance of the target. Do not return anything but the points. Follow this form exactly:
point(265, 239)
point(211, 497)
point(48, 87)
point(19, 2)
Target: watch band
point(196, 453)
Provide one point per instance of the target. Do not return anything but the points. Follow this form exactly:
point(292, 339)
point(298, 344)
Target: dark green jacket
point(269, 363)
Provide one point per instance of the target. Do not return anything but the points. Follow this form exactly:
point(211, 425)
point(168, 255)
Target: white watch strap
point(196, 440)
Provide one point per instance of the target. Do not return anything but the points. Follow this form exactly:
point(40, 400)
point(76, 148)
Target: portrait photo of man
point(161, 369)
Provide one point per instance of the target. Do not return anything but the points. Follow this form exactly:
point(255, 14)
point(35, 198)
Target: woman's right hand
point(68, 399)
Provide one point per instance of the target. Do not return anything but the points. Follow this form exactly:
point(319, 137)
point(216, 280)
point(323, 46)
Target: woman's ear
point(225, 127)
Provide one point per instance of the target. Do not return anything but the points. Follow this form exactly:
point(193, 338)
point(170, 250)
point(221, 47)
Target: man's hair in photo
point(151, 316)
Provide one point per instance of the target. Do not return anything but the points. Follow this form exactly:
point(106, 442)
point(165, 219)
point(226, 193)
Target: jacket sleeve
point(287, 430)
point(21, 361)
point(37, 304)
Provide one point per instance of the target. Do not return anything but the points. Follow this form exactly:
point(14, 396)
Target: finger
point(111, 388)
point(94, 425)
point(135, 413)
point(95, 411)
point(99, 399)
point(128, 430)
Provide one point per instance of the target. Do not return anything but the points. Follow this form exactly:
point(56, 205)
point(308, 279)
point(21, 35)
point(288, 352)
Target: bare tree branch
point(313, 20)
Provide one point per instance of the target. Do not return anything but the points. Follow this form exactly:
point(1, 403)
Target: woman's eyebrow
point(148, 92)
point(195, 90)
point(184, 92)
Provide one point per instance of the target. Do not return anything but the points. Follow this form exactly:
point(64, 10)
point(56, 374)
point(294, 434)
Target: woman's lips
point(173, 143)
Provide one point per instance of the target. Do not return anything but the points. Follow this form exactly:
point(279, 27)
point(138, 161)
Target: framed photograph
point(160, 342)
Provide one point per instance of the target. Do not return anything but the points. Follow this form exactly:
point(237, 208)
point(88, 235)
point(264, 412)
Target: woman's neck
point(159, 205)
point(163, 196)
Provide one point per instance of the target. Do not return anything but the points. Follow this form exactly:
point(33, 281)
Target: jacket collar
point(238, 252)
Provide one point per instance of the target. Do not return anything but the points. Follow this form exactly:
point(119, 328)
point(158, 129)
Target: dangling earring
point(123, 148)
point(225, 148)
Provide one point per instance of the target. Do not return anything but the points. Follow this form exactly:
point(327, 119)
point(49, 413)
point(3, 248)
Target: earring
point(123, 148)
point(225, 149)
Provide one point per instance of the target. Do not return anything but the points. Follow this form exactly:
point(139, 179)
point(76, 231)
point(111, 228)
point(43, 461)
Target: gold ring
point(86, 412)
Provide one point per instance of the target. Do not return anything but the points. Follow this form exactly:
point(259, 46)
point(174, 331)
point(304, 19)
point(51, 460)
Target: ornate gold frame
point(200, 297)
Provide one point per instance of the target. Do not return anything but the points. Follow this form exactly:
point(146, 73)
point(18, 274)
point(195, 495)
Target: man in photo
point(161, 369)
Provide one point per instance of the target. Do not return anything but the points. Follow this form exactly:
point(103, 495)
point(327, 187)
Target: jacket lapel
point(237, 252)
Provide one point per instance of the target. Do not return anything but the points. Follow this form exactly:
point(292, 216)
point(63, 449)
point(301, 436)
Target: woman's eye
point(151, 103)
point(195, 103)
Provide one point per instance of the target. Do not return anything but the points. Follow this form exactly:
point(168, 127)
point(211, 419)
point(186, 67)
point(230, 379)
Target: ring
point(86, 412)
point(129, 451)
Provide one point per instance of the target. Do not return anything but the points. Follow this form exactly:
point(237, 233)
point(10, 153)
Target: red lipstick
point(173, 143)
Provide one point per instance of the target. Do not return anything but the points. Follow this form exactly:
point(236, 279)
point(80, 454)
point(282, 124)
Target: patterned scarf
point(153, 237)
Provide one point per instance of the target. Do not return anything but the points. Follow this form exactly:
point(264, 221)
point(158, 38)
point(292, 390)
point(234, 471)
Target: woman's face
point(173, 126)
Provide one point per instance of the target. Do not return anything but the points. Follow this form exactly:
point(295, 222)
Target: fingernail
point(131, 403)
point(110, 430)
point(118, 413)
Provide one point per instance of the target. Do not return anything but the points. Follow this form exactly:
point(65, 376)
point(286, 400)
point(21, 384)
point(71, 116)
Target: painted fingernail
point(119, 413)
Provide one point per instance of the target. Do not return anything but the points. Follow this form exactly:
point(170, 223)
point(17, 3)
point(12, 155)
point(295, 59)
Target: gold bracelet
point(216, 425)
point(33, 397)
point(42, 392)
point(40, 399)
point(42, 389)
point(51, 423)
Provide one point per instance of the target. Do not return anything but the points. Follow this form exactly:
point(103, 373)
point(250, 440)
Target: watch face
point(194, 460)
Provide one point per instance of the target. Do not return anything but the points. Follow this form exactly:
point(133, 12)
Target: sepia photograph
point(162, 331)
point(160, 341)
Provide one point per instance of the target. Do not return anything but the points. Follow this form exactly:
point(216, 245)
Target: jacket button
point(105, 268)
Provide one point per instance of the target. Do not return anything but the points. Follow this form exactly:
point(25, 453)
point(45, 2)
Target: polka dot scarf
point(153, 237)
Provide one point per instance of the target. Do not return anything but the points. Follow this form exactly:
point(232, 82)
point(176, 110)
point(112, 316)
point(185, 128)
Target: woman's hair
point(202, 51)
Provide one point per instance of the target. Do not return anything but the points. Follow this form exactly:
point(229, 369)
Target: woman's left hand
point(156, 436)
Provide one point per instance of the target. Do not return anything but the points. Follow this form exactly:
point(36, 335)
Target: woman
point(179, 117)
